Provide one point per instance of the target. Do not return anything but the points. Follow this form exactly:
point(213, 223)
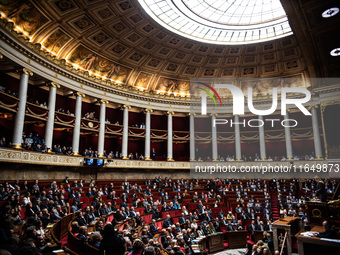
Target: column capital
point(313, 107)
point(125, 106)
point(78, 94)
point(25, 71)
point(170, 113)
point(53, 84)
point(288, 110)
point(213, 114)
point(148, 110)
point(102, 101)
point(192, 114)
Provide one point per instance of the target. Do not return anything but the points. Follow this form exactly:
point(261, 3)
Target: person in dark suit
point(207, 216)
point(220, 215)
point(153, 228)
point(329, 232)
point(252, 229)
point(321, 191)
point(269, 226)
point(81, 219)
point(239, 225)
point(270, 243)
point(153, 153)
point(82, 236)
point(167, 222)
point(217, 224)
point(230, 227)
point(112, 244)
point(182, 219)
point(156, 214)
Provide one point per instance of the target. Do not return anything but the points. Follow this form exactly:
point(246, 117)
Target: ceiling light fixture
point(330, 12)
point(335, 52)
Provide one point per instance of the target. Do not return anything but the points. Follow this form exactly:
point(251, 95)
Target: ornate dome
point(119, 43)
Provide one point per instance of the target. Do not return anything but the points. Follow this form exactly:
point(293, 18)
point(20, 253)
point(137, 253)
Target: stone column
point(316, 134)
point(214, 138)
point(289, 146)
point(262, 140)
point(125, 138)
point(192, 137)
point(77, 123)
point(51, 112)
point(170, 157)
point(20, 115)
point(101, 137)
point(147, 133)
point(238, 156)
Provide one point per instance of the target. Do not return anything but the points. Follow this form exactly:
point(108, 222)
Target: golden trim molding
point(25, 71)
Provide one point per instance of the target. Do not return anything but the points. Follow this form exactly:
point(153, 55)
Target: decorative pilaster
point(262, 140)
point(214, 138)
point(51, 112)
point(170, 156)
point(20, 115)
point(316, 134)
point(125, 138)
point(192, 137)
point(101, 137)
point(147, 133)
point(77, 123)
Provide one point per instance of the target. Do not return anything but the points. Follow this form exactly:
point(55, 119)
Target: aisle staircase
point(275, 209)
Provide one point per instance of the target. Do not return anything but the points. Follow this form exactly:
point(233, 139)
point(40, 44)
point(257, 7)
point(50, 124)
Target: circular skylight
point(330, 12)
point(221, 21)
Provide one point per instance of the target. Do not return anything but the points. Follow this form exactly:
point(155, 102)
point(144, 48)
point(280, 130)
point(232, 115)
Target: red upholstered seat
point(223, 229)
point(147, 218)
point(23, 213)
point(110, 218)
point(159, 224)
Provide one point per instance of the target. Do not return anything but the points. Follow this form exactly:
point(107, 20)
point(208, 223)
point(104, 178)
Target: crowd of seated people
point(256, 157)
point(8, 91)
point(129, 203)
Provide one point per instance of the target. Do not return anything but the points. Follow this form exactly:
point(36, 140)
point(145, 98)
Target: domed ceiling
point(120, 42)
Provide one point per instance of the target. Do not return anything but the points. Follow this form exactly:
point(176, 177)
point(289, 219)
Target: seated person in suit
point(182, 219)
point(81, 219)
point(239, 225)
point(83, 237)
point(153, 227)
point(205, 229)
point(217, 224)
point(167, 222)
point(96, 237)
point(230, 227)
point(329, 232)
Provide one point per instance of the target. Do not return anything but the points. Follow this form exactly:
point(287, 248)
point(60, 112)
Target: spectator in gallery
point(153, 153)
